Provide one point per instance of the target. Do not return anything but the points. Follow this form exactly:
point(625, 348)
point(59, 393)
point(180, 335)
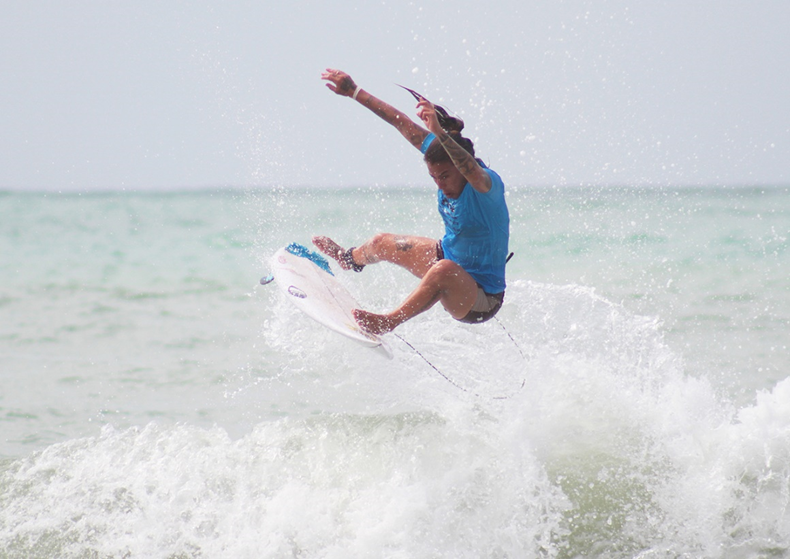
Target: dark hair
point(436, 154)
point(450, 124)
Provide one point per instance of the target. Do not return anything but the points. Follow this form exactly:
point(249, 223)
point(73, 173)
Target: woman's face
point(447, 177)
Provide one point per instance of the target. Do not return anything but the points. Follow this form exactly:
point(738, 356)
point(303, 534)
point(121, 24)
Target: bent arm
point(462, 159)
point(465, 163)
point(342, 84)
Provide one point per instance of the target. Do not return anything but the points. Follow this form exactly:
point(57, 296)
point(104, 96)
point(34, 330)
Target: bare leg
point(445, 281)
point(416, 254)
point(441, 280)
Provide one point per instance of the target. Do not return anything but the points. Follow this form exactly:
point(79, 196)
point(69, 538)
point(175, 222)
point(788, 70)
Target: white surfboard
point(308, 282)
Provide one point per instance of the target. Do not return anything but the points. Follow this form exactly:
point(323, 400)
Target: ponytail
point(450, 124)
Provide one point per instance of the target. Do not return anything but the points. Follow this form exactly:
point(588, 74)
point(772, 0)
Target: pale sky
point(154, 94)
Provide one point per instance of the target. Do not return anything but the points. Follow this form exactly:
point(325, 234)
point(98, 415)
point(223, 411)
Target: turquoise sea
point(157, 401)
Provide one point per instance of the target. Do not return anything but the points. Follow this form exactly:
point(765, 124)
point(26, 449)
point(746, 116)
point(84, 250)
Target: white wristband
point(356, 92)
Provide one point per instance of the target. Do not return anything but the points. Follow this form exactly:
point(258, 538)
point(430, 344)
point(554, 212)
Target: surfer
point(465, 270)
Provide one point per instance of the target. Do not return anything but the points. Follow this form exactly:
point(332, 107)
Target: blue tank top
point(477, 230)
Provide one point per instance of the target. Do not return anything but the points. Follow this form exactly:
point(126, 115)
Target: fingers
point(427, 113)
point(425, 110)
point(334, 75)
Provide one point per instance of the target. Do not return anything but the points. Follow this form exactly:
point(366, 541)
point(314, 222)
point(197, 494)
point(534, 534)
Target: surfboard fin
point(266, 280)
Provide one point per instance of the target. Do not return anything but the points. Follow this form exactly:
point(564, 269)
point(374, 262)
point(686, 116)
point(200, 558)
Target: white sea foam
point(609, 449)
point(156, 404)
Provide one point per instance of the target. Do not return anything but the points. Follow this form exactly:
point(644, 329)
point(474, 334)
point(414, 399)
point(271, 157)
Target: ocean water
point(632, 400)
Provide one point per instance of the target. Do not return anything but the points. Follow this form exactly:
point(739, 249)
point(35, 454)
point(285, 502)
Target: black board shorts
point(485, 306)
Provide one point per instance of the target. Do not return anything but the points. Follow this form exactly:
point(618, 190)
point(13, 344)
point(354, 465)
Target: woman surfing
point(465, 270)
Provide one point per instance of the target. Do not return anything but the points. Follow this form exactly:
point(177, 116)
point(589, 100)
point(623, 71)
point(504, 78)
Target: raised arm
point(462, 159)
point(342, 84)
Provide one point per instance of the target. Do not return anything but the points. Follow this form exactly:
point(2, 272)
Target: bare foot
point(331, 249)
point(374, 323)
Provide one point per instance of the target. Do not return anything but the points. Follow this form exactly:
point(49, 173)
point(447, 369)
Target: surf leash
point(445, 377)
point(512, 339)
point(451, 381)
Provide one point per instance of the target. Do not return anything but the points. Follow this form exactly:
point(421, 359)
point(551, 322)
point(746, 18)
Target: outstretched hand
point(339, 82)
point(427, 113)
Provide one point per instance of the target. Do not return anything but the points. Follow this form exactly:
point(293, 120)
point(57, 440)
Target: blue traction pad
point(300, 250)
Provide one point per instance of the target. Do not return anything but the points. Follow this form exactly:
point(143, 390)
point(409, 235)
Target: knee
point(445, 268)
point(381, 240)
point(382, 246)
point(375, 249)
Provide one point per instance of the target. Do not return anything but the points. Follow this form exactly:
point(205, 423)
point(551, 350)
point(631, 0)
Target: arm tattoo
point(461, 158)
